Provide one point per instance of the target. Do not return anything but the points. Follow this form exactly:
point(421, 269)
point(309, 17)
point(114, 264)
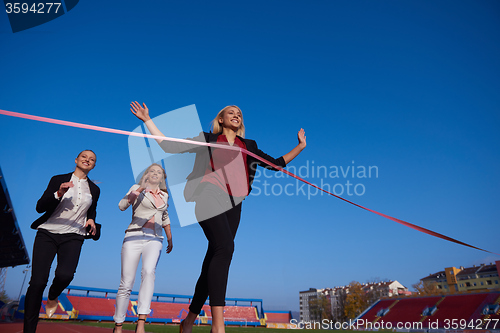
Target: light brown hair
point(162, 185)
point(217, 127)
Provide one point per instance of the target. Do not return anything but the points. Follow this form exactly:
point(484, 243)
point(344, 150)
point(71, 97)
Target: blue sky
point(408, 87)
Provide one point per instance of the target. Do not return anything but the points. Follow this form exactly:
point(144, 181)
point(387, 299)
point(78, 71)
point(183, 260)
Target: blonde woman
point(69, 204)
point(143, 237)
point(220, 180)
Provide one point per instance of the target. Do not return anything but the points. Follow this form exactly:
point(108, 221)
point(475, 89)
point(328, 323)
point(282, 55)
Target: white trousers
point(135, 245)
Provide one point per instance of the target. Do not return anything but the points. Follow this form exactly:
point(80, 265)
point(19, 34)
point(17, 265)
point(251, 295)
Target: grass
point(197, 329)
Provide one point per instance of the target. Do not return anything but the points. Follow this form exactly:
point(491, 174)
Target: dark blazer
point(48, 203)
point(204, 153)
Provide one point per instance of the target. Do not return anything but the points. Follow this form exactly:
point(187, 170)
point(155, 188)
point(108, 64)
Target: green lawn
point(198, 329)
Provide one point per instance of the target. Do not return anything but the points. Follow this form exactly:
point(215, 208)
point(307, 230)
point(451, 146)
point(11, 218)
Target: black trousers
point(220, 231)
point(46, 246)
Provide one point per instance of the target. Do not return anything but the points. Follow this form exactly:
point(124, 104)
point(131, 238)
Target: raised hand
point(301, 135)
point(134, 194)
point(141, 112)
point(144, 185)
point(302, 138)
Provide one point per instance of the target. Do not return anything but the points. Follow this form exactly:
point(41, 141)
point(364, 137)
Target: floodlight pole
point(25, 272)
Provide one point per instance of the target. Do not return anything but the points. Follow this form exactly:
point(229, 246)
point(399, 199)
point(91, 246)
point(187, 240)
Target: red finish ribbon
point(116, 131)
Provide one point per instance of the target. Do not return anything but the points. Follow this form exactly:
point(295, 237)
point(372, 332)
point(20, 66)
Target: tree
point(4, 297)
point(429, 288)
point(377, 289)
point(340, 302)
point(320, 308)
point(356, 300)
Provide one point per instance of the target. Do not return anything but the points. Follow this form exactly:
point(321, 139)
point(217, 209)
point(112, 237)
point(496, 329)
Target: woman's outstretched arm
point(142, 112)
point(300, 146)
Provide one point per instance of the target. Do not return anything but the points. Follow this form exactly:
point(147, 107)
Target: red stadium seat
point(278, 317)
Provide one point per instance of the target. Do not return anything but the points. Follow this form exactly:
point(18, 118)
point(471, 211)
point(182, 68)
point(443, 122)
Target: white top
point(70, 215)
point(144, 208)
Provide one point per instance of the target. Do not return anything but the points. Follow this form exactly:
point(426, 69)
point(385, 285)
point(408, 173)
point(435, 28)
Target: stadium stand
point(458, 307)
point(163, 310)
point(488, 303)
point(491, 314)
point(239, 315)
point(495, 316)
point(278, 319)
point(372, 314)
point(410, 310)
point(83, 303)
point(278, 316)
point(99, 308)
point(434, 309)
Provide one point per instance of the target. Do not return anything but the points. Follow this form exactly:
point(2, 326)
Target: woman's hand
point(288, 157)
point(134, 194)
point(91, 223)
point(141, 112)
point(144, 185)
point(302, 138)
point(64, 188)
point(170, 245)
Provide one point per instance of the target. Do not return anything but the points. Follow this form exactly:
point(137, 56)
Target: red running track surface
point(53, 327)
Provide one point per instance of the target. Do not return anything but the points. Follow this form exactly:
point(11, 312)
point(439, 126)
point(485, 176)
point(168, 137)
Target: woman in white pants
point(143, 237)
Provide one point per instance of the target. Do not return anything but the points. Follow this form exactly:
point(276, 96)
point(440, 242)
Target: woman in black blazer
point(219, 182)
point(69, 204)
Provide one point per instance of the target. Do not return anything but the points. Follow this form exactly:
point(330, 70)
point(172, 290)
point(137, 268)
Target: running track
point(45, 327)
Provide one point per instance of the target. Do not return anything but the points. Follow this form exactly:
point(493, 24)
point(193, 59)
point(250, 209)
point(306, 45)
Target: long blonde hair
point(217, 128)
point(163, 185)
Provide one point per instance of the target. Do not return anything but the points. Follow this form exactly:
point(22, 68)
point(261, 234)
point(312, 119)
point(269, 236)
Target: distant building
point(387, 289)
point(476, 278)
point(305, 297)
point(334, 295)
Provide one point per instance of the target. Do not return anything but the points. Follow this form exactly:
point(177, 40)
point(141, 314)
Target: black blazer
point(48, 203)
point(203, 155)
